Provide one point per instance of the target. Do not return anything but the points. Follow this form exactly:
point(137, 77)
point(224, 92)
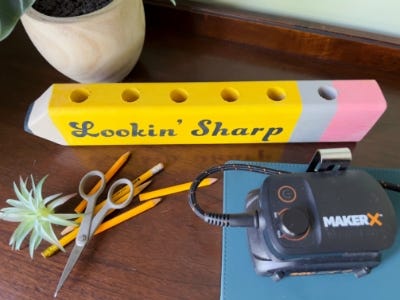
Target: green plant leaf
point(60, 219)
point(21, 232)
point(21, 195)
point(60, 201)
point(10, 12)
point(34, 242)
point(37, 190)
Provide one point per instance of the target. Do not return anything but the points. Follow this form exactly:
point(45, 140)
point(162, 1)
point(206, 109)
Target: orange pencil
point(174, 189)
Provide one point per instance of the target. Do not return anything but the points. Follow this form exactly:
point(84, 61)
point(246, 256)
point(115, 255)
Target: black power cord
point(242, 219)
point(223, 220)
point(390, 186)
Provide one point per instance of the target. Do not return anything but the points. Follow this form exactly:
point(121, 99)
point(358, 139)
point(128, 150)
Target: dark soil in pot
point(68, 8)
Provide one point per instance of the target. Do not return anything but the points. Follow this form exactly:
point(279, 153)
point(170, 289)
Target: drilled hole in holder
point(276, 93)
point(179, 95)
point(130, 95)
point(79, 95)
point(328, 92)
point(230, 94)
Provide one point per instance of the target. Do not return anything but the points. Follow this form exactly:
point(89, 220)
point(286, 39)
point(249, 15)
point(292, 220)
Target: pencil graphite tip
point(212, 180)
point(144, 185)
point(208, 181)
point(126, 155)
point(156, 200)
point(141, 187)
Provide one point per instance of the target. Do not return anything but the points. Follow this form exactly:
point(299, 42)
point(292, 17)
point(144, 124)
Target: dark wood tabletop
point(167, 252)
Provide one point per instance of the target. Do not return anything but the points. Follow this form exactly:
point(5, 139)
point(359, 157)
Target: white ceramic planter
point(102, 46)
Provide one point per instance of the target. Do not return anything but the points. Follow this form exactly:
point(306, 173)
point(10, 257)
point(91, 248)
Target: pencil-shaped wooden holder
point(207, 112)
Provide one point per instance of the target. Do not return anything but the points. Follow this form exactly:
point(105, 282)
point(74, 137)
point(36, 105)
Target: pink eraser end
point(360, 103)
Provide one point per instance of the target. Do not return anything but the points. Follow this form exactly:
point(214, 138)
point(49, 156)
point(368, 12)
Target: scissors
point(91, 222)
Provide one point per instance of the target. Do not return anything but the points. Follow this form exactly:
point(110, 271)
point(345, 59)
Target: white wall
point(376, 16)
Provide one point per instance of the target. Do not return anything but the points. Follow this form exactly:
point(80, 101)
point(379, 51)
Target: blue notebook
point(239, 280)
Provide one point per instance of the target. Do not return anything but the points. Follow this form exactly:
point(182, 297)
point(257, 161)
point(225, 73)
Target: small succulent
point(35, 214)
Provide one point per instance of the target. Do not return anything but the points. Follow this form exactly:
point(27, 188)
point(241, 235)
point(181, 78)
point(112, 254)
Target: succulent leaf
point(34, 242)
point(22, 231)
point(51, 198)
point(60, 201)
point(61, 219)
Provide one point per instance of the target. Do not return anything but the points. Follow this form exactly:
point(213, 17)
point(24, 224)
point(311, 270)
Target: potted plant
point(86, 40)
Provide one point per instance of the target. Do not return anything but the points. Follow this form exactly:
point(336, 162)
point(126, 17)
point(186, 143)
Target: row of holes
point(228, 94)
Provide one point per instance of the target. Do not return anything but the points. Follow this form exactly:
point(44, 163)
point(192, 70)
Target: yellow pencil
point(128, 215)
point(65, 240)
point(116, 197)
point(148, 174)
point(174, 189)
point(108, 175)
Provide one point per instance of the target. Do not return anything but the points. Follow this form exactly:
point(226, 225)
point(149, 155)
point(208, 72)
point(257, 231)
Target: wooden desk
point(166, 253)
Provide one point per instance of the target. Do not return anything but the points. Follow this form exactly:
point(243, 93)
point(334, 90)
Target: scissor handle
point(83, 185)
point(85, 227)
point(110, 201)
point(110, 204)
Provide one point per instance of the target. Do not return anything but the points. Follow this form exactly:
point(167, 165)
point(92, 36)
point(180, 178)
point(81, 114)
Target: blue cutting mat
point(239, 281)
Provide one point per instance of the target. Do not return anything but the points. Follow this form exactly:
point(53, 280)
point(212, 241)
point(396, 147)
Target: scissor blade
point(73, 258)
